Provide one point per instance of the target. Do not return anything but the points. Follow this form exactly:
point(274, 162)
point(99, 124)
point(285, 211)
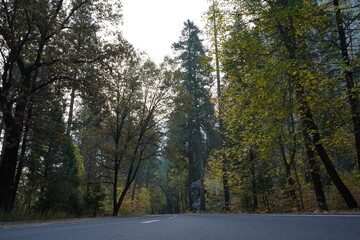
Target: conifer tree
point(194, 112)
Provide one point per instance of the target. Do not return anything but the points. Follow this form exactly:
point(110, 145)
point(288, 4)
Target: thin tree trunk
point(201, 159)
point(184, 199)
point(266, 201)
point(190, 180)
point(115, 185)
point(129, 181)
point(292, 159)
point(288, 176)
point(134, 190)
point(1, 125)
point(300, 188)
point(131, 174)
point(118, 157)
point(253, 182)
point(225, 177)
point(334, 176)
point(1, 137)
point(353, 97)
point(22, 154)
point(121, 199)
point(48, 169)
point(315, 174)
point(71, 110)
point(176, 208)
point(202, 188)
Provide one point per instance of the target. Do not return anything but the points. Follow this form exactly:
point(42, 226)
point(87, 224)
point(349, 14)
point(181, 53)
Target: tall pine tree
point(193, 118)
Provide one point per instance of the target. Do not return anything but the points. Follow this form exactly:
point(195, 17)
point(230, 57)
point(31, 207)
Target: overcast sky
point(153, 25)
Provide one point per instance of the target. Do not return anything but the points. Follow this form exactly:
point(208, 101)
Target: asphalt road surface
point(195, 226)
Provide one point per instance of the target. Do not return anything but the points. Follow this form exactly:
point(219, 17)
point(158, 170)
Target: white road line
point(151, 221)
point(173, 217)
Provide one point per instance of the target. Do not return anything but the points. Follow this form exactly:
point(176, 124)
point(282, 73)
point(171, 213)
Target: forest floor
point(51, 221)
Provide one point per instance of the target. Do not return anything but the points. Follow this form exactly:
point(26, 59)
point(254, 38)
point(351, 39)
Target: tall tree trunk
point(71, 110)
point(1, 137)
point(311, 131)
point(23, 152)
point(202, 186)
point(314, 169)
point(121, 200)
point(131, 174)
point(8, 166)
point(300, 188)
point(184, 198)
point(226, 188)
point(11, 145)
point(225, 177)
point(115, 185)
point(201, 159)
point(190, 179)
point(353, 97)
point(292, 162)
point(130, 178)
point(1, 124)
point(253, 182)
point(290, 181)
point(134, 190)
point(307, 120)
point(266, 201)
point(177, 202)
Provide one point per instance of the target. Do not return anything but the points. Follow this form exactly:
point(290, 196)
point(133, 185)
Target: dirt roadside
point(52, 221)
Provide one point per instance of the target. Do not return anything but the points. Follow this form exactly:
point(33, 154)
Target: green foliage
point(93, 200)
point(269, 51)
point(54, 168)
point(191, 123)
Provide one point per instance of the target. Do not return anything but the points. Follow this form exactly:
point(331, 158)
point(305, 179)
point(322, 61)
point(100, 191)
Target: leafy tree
point(277, 88)
point(34, 35)
point(215, 19)
point(346, 19)
point(135, 90)
point(51, 160)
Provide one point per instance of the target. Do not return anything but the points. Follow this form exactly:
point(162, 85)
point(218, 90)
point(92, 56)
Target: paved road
point(195, 227)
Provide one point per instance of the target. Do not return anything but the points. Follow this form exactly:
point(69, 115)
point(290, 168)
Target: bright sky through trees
point(152, 26)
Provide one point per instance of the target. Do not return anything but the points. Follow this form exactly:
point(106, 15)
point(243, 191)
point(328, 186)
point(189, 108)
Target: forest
point(259, 112)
